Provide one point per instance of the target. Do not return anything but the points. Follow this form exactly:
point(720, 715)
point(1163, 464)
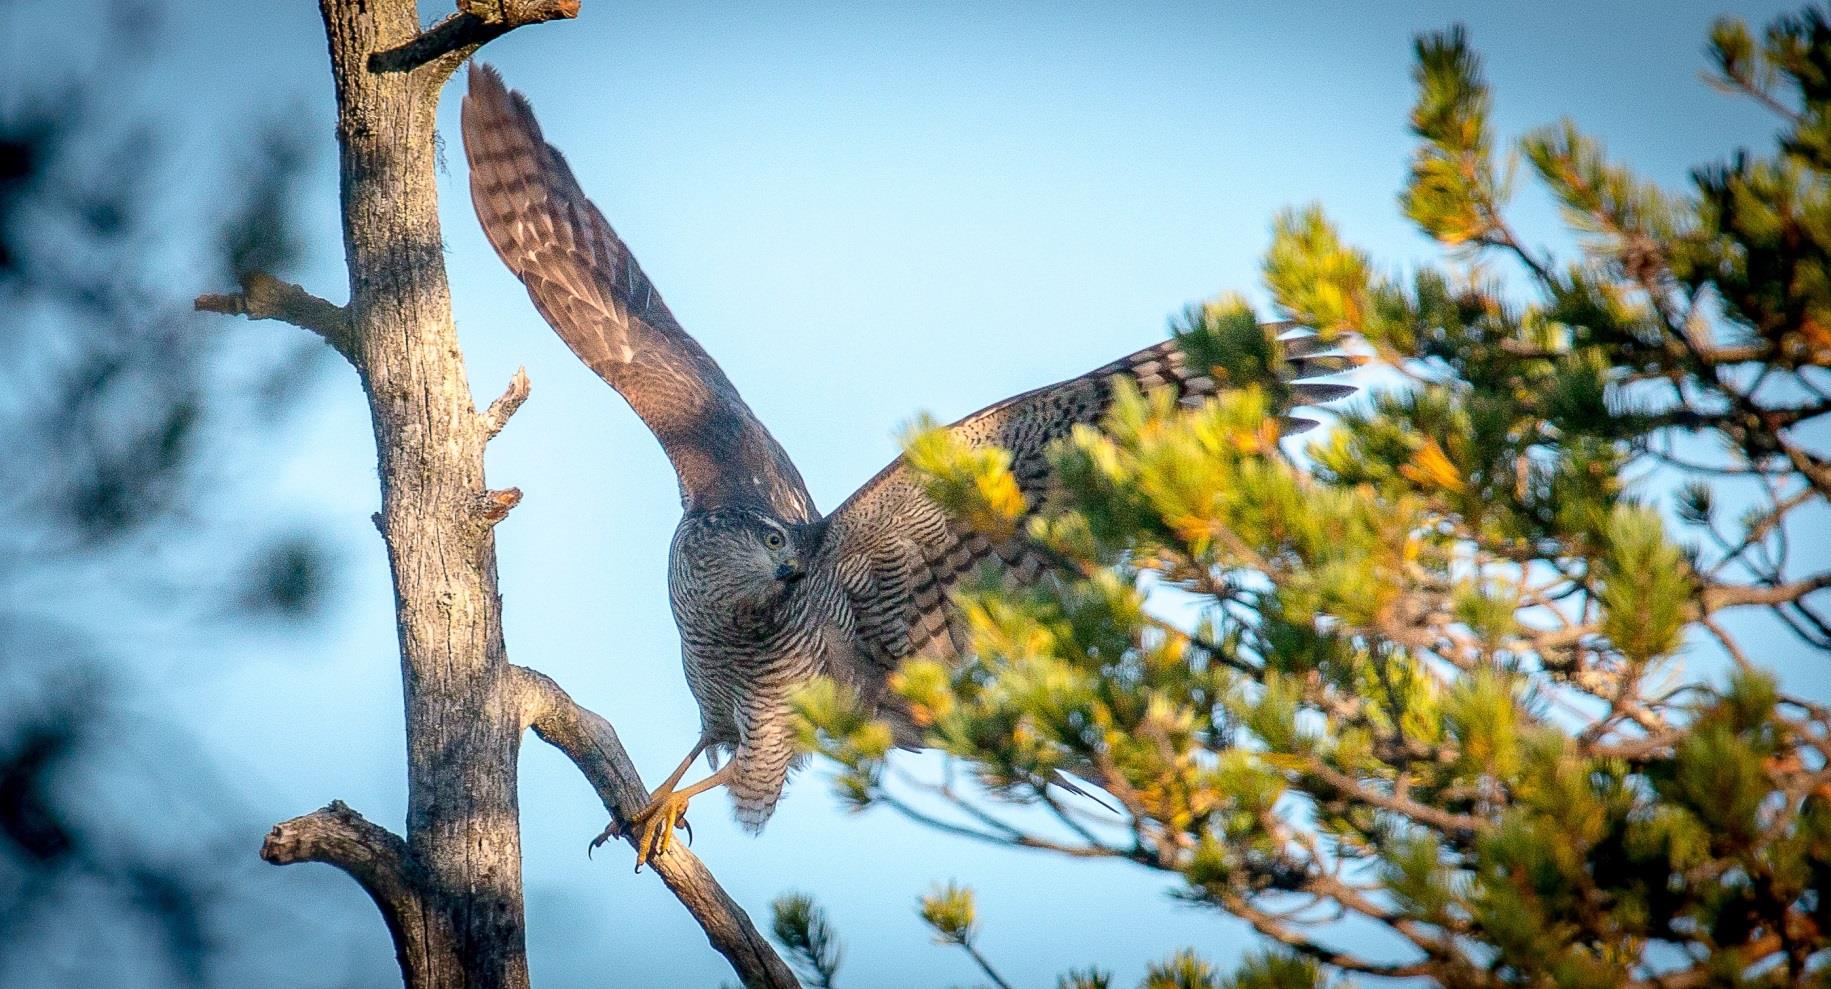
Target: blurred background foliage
point(1425, 678)
point(127, 418)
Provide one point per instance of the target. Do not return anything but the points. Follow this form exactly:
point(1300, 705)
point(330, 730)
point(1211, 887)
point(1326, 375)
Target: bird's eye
point(773, 540)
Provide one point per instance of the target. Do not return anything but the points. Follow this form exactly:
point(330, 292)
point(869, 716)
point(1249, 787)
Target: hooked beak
point(789, 572)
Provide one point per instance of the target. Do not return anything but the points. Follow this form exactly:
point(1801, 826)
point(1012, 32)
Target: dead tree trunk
point(450, 892)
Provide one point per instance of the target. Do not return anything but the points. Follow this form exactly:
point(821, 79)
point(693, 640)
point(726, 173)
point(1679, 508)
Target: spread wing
point(588, 286)
point(898, 554)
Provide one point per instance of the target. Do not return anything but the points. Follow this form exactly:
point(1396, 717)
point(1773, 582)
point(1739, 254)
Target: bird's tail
point(761, 765)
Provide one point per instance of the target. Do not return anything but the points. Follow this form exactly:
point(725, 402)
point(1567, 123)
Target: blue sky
point(863, 213)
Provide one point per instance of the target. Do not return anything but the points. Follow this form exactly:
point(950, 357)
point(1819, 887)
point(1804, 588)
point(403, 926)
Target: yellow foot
point(653, 826)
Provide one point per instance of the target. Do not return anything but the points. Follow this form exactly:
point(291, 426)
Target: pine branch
point(984, 965)
point(1272, 928)
point(1721, 597)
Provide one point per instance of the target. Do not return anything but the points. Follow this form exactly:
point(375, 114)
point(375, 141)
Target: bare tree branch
point(1269, 926)
point(1718, 598)
point(448, 43)
point(592, 745)
point(266, 297)
point(382, 865)
point(1456, 826)
point(497, 416)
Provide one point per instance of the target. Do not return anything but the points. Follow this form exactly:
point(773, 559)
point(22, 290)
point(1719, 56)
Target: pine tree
point(1433, 680)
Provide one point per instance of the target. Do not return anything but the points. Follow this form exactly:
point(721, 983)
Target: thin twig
point(497, 415)
point(984, 965)
point(265, 297)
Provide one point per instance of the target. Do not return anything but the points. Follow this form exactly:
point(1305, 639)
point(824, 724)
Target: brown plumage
point(767, 593)
point(590, 288)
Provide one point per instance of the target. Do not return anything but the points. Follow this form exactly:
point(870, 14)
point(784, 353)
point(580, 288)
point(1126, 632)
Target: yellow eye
point(773, 540)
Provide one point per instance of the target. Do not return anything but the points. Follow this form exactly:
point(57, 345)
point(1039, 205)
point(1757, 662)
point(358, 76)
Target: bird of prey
point(768, 592)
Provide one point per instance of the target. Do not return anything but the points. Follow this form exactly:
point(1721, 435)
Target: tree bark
point(450, 892)
point(591, 743)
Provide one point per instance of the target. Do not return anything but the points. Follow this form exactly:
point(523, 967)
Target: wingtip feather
point(483, 88)
point(1317, 393)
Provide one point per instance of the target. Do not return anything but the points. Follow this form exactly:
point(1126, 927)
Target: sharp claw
point(609, 832)
point(688, 828)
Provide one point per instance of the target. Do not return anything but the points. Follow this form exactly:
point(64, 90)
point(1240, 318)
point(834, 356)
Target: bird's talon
point(610, 831)
point(653, 826)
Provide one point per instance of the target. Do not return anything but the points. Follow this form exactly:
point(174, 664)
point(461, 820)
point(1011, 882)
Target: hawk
point(768, 593)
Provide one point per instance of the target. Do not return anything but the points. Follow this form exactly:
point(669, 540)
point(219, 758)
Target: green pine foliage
point(800, 925)
point(1459, 671)
point(949, 912)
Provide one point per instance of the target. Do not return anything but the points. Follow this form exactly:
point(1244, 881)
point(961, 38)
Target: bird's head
point(748, 556)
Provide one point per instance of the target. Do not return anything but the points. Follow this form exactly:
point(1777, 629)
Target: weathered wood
point(263, 296)
point(592, 745)
point(450, 891)
point(379, 862)
point(462, 734)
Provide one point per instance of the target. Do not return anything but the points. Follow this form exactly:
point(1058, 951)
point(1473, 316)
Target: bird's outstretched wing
point(587, 284)
point(898, 553)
